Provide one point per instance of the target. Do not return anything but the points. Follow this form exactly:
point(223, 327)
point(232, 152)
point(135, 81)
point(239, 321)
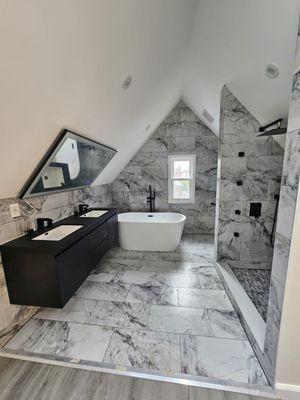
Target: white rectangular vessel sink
point(94, 214)
point(58, 233)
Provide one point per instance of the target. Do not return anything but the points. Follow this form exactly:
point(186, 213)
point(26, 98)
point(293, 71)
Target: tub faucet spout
point(151, 199)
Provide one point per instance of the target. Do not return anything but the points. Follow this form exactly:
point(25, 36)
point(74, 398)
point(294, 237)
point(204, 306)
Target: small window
point(181, 177)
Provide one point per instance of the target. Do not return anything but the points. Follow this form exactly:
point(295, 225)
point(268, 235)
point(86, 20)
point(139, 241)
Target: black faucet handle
point(83, 207)
point(41, 223)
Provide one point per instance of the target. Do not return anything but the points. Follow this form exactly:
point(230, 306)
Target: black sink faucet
point(83, 208)
point(151, 199)
point(41, 223)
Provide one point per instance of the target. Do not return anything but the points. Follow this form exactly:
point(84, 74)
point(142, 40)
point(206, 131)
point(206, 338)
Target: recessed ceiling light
point(127, 82)
point(272, 71)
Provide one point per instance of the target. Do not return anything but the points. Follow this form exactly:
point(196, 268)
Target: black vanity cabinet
point(47, 274)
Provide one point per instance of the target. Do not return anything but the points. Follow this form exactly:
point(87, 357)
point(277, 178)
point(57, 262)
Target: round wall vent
point(272, 71)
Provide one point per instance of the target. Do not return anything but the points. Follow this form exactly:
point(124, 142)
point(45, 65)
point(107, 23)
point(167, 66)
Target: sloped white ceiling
point(232, 43)
point(63, 63)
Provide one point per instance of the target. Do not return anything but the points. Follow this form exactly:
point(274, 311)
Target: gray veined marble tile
point(225, 324)
point(203, 298)
point(146, 350)
point(65, 339)
point(178, 280)
point(96, 276)
point(120, 314)
point(159, 266)
point(209, 279)
point(281, 258)
point(182, 256)
point(76, 310)
point(134, 277)
point(119, 253)
point(153, 294)
point(221, 359)
point(118, 264)
point(30, 335)
point(179, 320)
point(103, 291)
point(187, 267)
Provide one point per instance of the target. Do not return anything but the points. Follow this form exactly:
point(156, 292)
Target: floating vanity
point(46, 268)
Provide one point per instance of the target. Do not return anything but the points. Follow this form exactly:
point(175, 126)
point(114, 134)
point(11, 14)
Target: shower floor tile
point(256, 283)
point(162, 314)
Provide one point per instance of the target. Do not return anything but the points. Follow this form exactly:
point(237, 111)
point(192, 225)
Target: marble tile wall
point(180, 133)
point(260, 171)
point(286, 212)
point(286, 215)
point(55, 206)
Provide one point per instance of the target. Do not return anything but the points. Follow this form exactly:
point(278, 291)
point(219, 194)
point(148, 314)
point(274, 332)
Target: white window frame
point(171, 179)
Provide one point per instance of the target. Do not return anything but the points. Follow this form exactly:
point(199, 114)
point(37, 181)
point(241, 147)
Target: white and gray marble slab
point(178, 280)
point(179, 320)
point(120, 314)
point(146, 350)
point(135, 277)
point(187, 267)
point(76, 310)
point(159, 266)
point(153, 294)
point(103, 291)
point(28, 337)
point(79, 341)
point(221, 358)
point(100, 277)
point(118, 264)
point(225, 324)
point(209, 279)
point(203, 298)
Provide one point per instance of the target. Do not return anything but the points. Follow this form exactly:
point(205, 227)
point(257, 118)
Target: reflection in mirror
point(72, 162)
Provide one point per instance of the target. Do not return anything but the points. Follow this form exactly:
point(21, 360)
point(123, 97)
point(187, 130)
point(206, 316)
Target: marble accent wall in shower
point(286, 212)
point(182, 132)
point(55, 206)
point(251, 169)
point(286, 215)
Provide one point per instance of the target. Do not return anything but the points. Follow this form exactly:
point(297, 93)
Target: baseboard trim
point(286, 391)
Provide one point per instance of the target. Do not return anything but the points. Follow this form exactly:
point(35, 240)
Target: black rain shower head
point(275, 129)
point(273, 132)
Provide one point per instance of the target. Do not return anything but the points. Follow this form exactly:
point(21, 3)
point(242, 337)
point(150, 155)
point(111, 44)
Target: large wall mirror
point(72, 162)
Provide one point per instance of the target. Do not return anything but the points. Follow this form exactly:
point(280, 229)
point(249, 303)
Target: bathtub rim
point(182, 219)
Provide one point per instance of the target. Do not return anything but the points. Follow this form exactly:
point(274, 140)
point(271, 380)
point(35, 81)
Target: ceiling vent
point(209, 118)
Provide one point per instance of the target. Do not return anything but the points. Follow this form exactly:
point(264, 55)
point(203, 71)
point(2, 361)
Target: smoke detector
point(209, 118)
point(272, 71)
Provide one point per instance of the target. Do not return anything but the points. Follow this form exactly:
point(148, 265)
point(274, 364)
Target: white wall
point(233, 41)
point(63, 63)
point(288, 358)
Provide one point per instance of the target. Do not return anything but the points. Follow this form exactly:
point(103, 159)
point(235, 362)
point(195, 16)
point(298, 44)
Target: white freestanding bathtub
point(158, 231)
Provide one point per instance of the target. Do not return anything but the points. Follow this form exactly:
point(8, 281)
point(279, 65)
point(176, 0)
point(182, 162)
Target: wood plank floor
point(24, 380)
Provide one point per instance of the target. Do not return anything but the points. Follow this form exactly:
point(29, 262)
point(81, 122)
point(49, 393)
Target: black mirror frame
point(45, 160)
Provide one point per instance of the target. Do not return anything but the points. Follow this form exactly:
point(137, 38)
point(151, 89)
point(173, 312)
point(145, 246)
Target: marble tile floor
point(160, 313)
point(256, 283)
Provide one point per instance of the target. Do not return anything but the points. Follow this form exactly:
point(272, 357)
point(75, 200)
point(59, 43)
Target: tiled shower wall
point(244, 241)
point(55, 206)
point(180, 133)
point(286, 212)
